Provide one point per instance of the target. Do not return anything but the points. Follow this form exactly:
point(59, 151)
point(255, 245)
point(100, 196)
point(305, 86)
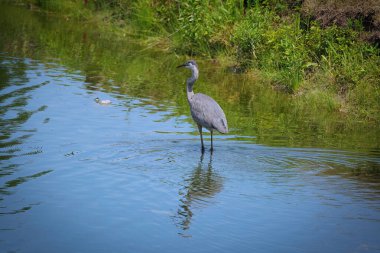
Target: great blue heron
point(205, 111)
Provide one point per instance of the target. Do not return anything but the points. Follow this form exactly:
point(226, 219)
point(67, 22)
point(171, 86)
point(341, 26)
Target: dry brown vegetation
point(345, 12)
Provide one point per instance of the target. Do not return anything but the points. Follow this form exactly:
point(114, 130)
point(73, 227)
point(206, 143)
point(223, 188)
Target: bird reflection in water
point(198, 189)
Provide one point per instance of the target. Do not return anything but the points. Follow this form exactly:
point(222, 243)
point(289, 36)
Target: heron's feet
point(203, 149)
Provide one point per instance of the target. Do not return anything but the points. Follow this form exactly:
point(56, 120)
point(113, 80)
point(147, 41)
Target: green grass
point(329, 67)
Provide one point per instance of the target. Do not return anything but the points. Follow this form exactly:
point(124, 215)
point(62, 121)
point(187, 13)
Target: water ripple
point(135, 168)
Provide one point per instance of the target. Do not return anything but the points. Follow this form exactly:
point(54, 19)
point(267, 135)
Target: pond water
point(78, 176)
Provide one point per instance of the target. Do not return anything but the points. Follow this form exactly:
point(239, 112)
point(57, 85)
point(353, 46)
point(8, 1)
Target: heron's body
point(205, 111)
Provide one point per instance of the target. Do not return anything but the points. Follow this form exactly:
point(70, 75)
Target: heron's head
point(191, 64)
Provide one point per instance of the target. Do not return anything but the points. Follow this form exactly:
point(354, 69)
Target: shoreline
point(347, 83)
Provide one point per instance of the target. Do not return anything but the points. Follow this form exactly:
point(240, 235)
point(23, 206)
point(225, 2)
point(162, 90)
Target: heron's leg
point(200, 132)
point(212, 147)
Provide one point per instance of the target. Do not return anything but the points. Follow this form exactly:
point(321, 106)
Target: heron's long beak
point(180, 66)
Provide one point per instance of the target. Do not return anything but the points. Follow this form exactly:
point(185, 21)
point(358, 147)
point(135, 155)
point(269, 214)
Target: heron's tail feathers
point(222, 126)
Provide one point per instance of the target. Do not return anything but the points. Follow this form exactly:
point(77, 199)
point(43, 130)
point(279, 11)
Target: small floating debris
point(102, 102)
point(70, 154)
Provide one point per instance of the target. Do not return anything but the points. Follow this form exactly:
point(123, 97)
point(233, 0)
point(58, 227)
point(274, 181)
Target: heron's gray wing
point(207, 112)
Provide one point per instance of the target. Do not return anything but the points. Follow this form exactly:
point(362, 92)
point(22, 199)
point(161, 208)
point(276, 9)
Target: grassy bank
point(320, 64)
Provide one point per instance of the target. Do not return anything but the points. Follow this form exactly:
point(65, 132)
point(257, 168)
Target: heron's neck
point(190, 82)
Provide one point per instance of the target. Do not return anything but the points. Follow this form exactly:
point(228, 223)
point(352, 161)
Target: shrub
point(262, 40)
point(249, 37)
